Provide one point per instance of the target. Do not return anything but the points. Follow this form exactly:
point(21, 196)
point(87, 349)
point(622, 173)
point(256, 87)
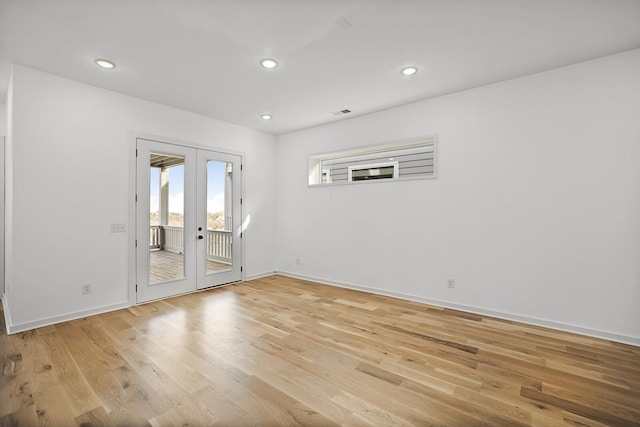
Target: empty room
point(312, 212)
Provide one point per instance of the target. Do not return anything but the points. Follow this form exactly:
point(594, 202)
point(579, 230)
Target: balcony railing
point(155, 235)
point(170, 238)
point(173, 239)
point(219, 245)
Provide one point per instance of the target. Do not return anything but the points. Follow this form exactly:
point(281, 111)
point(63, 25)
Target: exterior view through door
point(187, 219)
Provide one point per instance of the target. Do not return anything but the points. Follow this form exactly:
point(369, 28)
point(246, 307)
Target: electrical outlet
point(451, 283)
point(86, 289)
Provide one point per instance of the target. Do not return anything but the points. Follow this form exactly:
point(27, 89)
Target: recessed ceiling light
point(409, 71)
point(266, 117)
point(269, 63)
point(105, 64)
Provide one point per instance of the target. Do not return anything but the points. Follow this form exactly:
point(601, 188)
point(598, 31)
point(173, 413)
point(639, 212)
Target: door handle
point(200, 237)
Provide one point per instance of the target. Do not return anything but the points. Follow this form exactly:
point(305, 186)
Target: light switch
point(118, 228)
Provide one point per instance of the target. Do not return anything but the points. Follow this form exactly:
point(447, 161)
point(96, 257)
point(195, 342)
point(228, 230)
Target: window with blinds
point(402, 160)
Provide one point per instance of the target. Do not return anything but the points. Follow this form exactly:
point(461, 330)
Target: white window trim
point(316, 169)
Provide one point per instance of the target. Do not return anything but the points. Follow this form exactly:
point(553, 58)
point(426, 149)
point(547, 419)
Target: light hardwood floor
point(279, 351)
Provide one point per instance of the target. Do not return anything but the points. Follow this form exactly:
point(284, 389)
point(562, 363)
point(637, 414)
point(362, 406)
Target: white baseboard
point(625, 339)
point(595, 333)
point(26, 326)
point(259, 275)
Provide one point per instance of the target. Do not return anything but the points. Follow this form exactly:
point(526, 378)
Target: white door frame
point(3, 289)
point(131, 234)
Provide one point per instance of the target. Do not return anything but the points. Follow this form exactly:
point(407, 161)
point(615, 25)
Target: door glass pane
point(166, 218)
point(219, 224)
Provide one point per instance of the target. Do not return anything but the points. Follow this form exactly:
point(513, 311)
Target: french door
point(187, 219)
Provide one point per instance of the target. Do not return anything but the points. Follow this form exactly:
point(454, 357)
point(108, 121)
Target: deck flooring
point(165, 266)
point(281, 351)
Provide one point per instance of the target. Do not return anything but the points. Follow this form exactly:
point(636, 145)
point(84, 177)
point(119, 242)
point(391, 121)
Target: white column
point(164, 203)
point(228, 194)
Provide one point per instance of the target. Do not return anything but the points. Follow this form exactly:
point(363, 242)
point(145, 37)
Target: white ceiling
point(202, 55)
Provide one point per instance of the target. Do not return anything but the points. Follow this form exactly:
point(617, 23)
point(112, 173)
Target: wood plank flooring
point(280, 351)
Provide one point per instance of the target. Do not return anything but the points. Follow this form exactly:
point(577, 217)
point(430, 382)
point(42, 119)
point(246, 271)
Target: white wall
point(3, 134)
point(535, 212)
point(8, 198)
point(71, 162)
